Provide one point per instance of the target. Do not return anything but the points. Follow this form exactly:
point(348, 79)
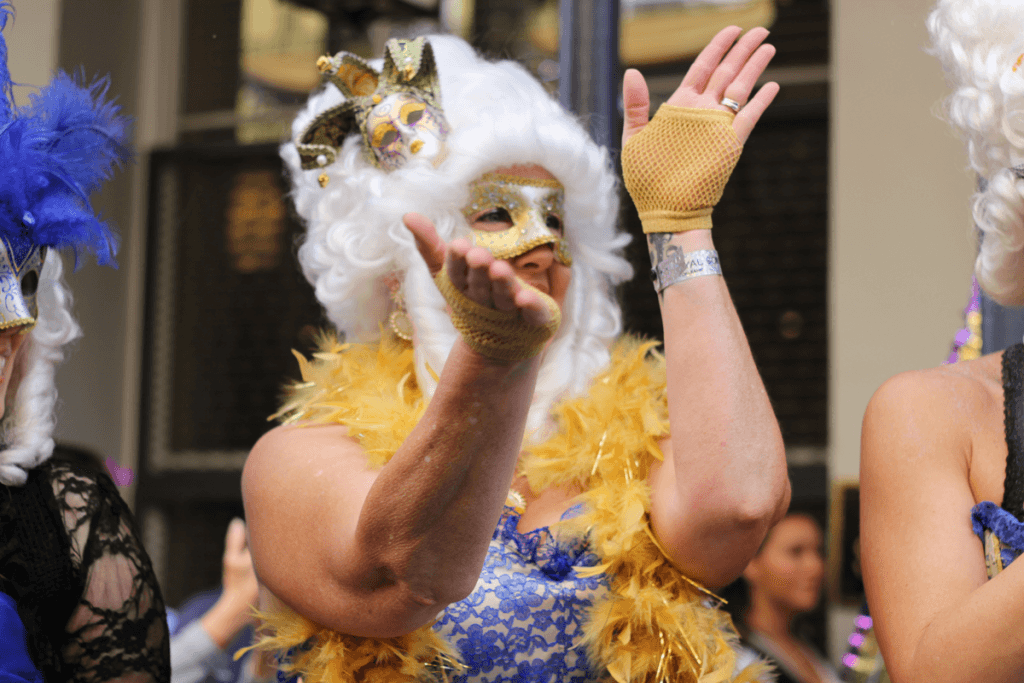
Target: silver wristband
point(679, 266)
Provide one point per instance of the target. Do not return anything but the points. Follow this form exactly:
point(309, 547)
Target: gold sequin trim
point(520, 180)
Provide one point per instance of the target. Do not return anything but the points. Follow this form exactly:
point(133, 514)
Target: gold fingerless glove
point(502, 335)
point(676, 167)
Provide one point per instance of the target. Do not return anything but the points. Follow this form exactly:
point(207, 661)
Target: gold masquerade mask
point(534, 207)
point(20, 266)
point(397, 111)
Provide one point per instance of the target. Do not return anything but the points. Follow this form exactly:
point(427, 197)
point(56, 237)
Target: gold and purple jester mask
point(20, 265)
point(397, 111)
point(534, 208)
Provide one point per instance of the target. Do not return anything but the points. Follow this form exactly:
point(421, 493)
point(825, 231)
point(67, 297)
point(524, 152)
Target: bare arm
point(724, 482)
point(936, 616)
point(380, 553)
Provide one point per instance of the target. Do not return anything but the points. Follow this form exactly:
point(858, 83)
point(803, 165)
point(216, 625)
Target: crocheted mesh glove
point(676, 167)
point(502, 335)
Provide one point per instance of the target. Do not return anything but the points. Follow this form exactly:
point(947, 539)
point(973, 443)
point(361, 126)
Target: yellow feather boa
point(653, 626)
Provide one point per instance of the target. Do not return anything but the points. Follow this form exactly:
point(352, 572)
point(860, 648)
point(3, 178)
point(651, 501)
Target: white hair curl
point(29, 420)
point(499, 115)
point(980, 43)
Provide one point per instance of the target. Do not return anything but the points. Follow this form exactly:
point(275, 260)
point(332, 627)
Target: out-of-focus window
point(280, 43)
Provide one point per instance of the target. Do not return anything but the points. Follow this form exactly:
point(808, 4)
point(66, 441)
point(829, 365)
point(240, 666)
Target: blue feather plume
point(54, 153)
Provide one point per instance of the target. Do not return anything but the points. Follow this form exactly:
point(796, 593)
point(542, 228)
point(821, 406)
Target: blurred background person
point(211, 627)
point(784, 581)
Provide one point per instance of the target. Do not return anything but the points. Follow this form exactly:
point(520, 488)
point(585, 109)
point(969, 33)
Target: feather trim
point(371, 389)
point(654, 625)
point(321, 655)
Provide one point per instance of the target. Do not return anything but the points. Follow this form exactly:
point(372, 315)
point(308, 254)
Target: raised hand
point(233, 609)
point(476, 273)
point(717, 72)
point(238, 575)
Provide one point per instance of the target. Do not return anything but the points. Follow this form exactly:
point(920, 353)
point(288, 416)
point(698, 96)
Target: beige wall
point(901, 239)
point(136, 43)
point(89, 382)
point(102, 38)
point(901, 243)
point(32, 44)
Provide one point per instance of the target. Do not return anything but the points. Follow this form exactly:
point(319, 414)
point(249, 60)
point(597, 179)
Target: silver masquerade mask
point(20, 267)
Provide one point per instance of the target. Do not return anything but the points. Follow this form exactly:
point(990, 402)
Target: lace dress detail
point(522, 623)
point(1001, 528)
point(72, 559)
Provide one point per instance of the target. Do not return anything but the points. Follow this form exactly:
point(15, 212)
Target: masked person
point(73, 572)
point(941, 462)
point(481, 482)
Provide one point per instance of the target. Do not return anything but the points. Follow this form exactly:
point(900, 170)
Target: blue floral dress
point(522, 623)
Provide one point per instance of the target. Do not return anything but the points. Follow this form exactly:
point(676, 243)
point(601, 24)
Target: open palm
point(717, 72)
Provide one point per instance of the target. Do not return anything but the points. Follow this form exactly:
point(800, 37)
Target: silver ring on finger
point(732, 104)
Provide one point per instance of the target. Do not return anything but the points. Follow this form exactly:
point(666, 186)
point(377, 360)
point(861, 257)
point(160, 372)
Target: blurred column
point(1000, 326)
point(588, 65)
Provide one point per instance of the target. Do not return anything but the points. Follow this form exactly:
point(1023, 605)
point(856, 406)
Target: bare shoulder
point(294, 452)
point(292, 468)
point(945, 396)
point(302, 487)
point(949, 415)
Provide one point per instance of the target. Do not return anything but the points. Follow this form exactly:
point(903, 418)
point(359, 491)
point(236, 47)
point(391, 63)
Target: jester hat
point(397, 110)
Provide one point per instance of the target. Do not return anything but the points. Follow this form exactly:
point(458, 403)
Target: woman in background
point(784, 580)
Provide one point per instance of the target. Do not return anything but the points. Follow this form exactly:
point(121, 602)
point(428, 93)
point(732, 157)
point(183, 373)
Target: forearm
point(436, 503)
point(194, 654)
point(226, 619)
point(730, 481)
point(978, 641)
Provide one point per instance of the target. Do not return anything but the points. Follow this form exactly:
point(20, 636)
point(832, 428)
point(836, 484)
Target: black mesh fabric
point(1013, 408)
point(72, 559)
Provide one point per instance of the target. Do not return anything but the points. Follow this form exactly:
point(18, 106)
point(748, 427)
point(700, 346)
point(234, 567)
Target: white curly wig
point(29, 419)
point(980, 43)
point(499, 116)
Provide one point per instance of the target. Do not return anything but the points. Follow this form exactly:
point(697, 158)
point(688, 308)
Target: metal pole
point(588, 64)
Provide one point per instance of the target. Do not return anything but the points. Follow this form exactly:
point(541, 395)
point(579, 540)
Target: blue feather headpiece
point(54, 153)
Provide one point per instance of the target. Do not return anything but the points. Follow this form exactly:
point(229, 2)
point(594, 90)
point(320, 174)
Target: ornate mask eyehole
point(29, 283)
point(412, 112)
point(383, 135)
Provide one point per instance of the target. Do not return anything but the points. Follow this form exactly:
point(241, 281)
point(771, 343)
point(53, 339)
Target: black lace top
point(1013, 413)
point(72, 559)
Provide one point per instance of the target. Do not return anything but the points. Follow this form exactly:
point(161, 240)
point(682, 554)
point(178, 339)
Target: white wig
point(980, 43)
point(29, 418)
point(499, 116)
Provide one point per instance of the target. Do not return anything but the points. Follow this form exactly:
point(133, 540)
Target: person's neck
point(770, 620)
